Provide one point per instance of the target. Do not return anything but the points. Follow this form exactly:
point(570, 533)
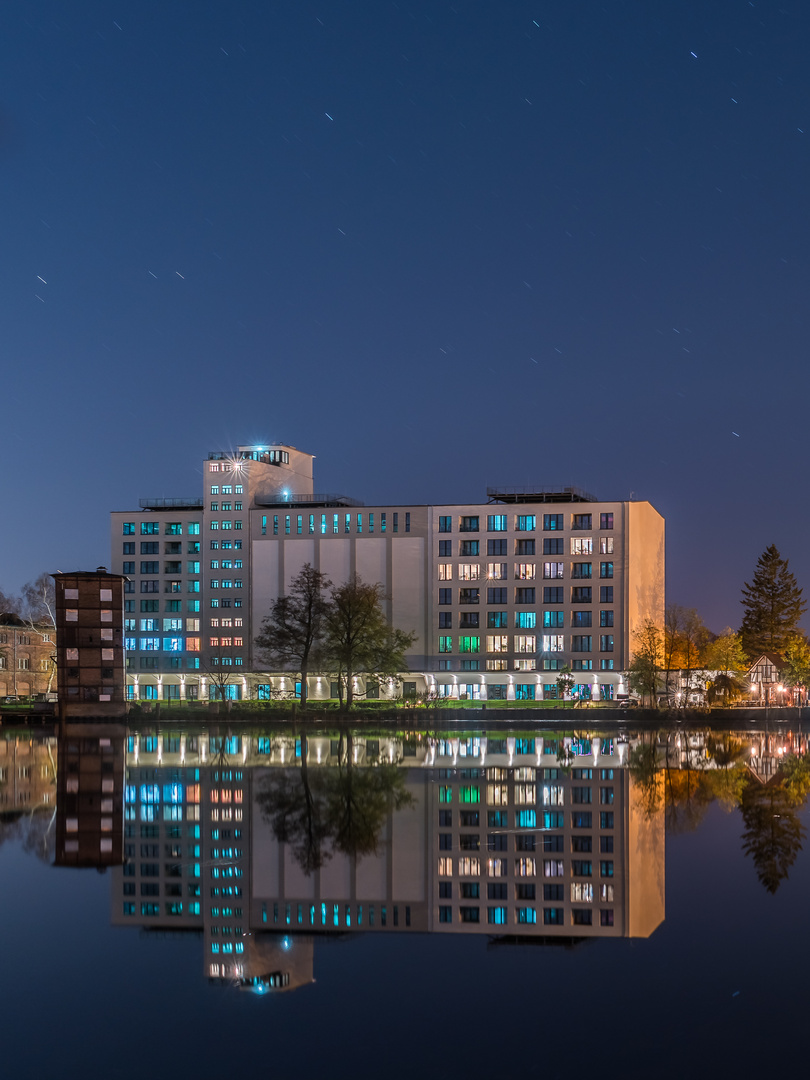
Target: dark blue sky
point(439, 245)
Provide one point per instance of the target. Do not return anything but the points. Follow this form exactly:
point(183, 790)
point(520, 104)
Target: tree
point(358, 639)
point(726, 653)
point(39, 601)
point(292, 635)
point(565, 680)
point(773, 606)
point(796, 668)
point(642, 675)
point(685, 637)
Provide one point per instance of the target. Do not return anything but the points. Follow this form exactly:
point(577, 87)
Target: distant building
point(766, 681)
point(27, 657)
point(500, 596)
point(90, 644)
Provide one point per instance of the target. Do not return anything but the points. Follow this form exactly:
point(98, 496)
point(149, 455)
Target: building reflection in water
point(266, 843)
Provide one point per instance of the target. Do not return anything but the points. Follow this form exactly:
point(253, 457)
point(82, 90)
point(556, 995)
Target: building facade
point(27, 657)
point(499, 596)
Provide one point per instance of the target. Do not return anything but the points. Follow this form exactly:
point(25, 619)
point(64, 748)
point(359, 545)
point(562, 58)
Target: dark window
point(552, 522)
point(605, 594)
point(445, 890)
point(553, 546)
point(497, 891)
point(496, 547)
point(580, 570)
point(469, 819)
point(606, 618)
point(445, 620)
point(497, 841)
point(496, 619)
point(581, 594)
point(582, 521)
point(469, 547)
point(581, 642)
point(445, 549)
point(525, 596)
point(525, 892)
point(469, 596)
point(525, 842)
point(497, 596)
point(581, 618)
point(606, 845)
point(553, 594)
point(468, 524)
point(606, 570)
point(469, 890)
point(526, 547)
point(468, 620)
point(606, 521)
point(445, 818)
point(470, 914)
point(445, 596)
point(445, 524)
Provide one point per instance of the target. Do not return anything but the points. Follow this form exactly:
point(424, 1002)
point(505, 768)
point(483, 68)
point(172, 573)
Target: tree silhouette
point(773, 605)
point(773, 834)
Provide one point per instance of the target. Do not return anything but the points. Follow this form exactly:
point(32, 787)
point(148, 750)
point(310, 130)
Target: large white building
point(500, 596)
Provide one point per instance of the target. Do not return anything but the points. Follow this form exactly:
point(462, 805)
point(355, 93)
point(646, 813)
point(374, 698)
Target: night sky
point(439, 245)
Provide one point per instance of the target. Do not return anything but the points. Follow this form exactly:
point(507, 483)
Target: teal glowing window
point(496, 523)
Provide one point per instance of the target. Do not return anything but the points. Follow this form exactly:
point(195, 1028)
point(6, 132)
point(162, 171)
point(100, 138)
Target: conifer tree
point(773, 606)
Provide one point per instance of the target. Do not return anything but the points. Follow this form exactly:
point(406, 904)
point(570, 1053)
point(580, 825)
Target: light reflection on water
point(252, 855)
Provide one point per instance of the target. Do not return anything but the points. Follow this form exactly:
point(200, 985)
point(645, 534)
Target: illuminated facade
point(499, 596)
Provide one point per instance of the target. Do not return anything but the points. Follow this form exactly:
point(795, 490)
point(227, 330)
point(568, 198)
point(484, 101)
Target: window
point(552, 643)
point(445, 524)
point(581, 594)
point(497, 643)
point(469, 596)
point(606, 819)
point(552, 522)
point(445, 644)
point(469, 571)
point(606, 665)
point(525, 522)
point(606, 521)
point(469, 547)
point(581, 643)
point(468, 620)
point(553, 619)
point(496, 523)
point(150, 528)
point(445, 620)
point(469, 644)
point(581, 545)
point(524, 571)
point(526, 620)
point(581, 618)
point(525, 643)
point(128, 568)
point(606, 643)
point(150, 567)
point(606, 570)
point(496, 619)
point(129, 530)
point(581, 570)
point(606, 545)
point(468, 524)
point(496, 571)
point(525, 597)
point(445, 571)
point(524, 547)
point(553, 545)
point(581, 521)
point(552, 569)
point(554, 594)
point(445, 549)
point(524, 691)
point(606, 618)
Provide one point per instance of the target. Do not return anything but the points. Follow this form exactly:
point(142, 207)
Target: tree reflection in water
point(332, 808)
point(693, 781)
